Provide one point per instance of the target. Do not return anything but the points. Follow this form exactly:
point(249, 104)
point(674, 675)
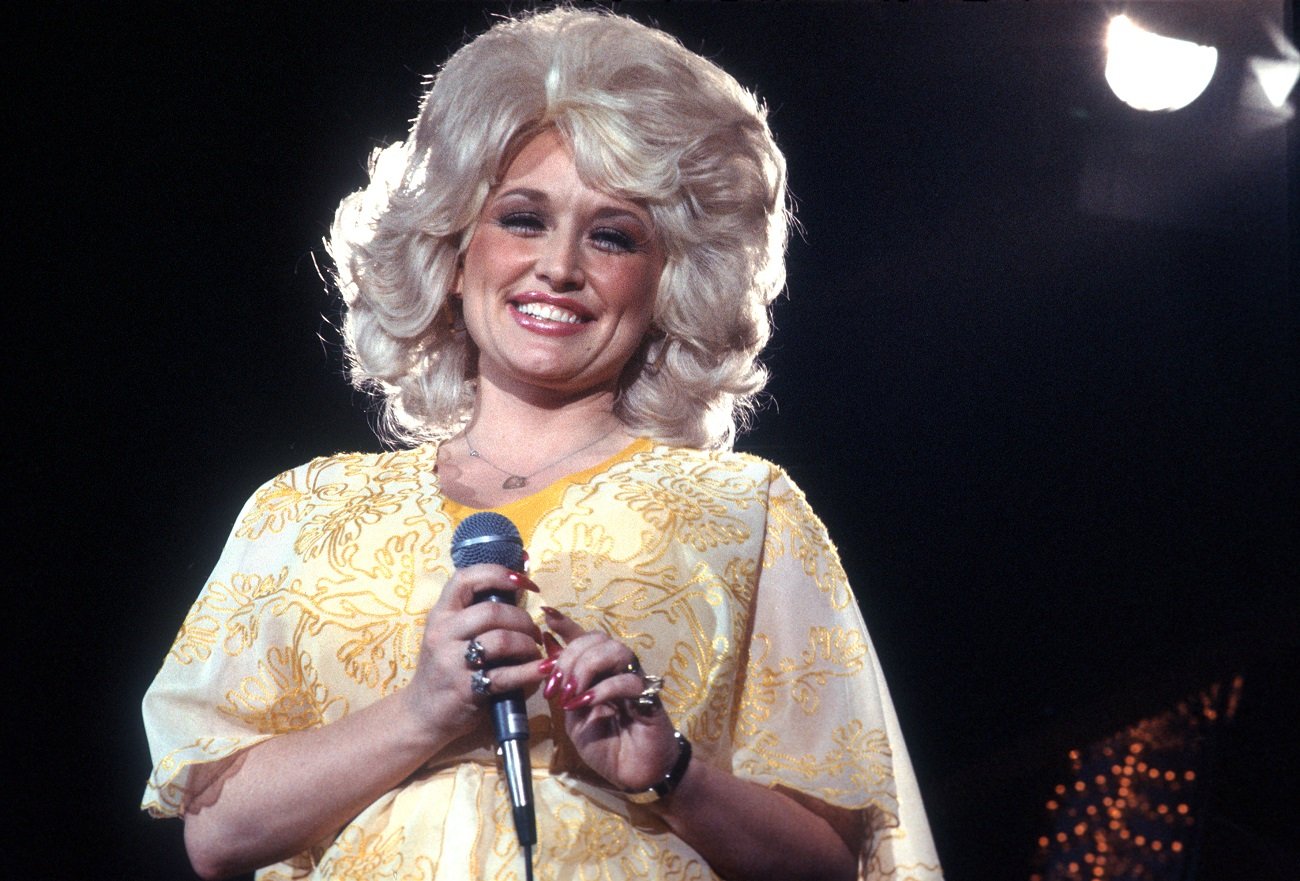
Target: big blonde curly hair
point(649, 121)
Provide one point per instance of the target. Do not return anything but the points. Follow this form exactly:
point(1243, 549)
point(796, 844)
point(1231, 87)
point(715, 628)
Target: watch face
point(670, 781)
point(645, 797)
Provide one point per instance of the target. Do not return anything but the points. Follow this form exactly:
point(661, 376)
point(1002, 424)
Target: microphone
point(488, 537)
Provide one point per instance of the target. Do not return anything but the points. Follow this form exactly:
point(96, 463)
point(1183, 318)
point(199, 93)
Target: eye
point(523, 222)
point(615, 240)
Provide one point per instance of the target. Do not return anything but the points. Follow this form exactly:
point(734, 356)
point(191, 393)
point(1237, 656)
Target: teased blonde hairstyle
point(649, 121)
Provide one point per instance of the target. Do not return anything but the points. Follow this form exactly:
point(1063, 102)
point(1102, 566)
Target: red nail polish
point(545, 665)
point(553, 684)
point(569, 690)
point(580, 701)
point(555, 613)
point(518, 579)
point(553, 647)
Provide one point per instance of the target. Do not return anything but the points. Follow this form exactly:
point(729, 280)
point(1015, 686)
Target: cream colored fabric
point(711, 566)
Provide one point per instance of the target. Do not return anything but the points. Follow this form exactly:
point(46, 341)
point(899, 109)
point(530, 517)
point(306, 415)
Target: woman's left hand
point(596, 680)
point(742, 829)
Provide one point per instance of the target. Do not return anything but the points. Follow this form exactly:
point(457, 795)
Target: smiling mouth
point(548, 312)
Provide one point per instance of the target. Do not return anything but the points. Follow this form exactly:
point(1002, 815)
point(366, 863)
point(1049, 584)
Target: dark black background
point(1036, 370)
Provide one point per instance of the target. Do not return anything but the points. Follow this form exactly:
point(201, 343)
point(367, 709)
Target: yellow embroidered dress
point(710, 566)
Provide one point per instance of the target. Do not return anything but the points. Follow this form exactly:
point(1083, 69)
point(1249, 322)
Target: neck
point(526, 431)
point(503, 415)
point(524, 444)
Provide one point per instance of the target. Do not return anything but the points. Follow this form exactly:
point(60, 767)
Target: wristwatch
point(671, 779)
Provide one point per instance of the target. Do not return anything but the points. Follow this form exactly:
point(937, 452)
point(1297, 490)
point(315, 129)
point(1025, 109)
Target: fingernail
point(553, 647)
point(580, 701)
point(545, 666)
point(553, 684)
point(569, 690)
point(518, 579)
point(554, 613)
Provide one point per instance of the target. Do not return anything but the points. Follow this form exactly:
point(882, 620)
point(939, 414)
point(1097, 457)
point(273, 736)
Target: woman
point(559, 284)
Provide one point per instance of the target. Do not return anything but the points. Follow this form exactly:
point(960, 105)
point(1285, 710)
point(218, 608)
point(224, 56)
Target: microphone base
point(514, 754)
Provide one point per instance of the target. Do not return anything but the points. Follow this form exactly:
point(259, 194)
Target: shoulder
point(720, 474)
point(786, 503)
point(715, 463)
point(342, 473)
point(338, 480)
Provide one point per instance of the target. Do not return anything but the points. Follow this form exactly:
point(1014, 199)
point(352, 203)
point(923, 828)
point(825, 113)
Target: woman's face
point(559, 279)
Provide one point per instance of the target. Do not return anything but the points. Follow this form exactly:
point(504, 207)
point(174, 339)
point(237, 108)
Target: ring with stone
point(648, 699)
point(480, 683)
point(474, 653)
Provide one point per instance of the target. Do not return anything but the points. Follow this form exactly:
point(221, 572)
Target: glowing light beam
point(1277, 77)
point(1150, 72)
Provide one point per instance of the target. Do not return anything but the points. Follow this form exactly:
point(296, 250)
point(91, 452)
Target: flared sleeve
point(312, 611)
point(814, 712)
point(187, 718)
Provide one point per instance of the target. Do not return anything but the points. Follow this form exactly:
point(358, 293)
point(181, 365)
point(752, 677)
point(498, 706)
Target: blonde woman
point(558, 286)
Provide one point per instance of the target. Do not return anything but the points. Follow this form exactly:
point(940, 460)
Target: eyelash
point(605, 238)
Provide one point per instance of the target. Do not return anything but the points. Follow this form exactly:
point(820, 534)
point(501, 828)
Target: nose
point(559, 263)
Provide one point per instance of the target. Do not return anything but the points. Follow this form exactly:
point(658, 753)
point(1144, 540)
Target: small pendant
point(514, 481)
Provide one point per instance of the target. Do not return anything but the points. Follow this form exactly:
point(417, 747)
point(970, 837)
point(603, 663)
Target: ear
point(457, 279)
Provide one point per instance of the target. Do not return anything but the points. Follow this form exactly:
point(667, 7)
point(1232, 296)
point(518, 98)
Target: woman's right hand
point(440, 694)
point(266, 803)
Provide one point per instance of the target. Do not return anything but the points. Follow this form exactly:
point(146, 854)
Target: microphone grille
point(487, 537)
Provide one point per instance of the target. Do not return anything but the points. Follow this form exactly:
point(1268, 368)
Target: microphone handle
point(510, 723)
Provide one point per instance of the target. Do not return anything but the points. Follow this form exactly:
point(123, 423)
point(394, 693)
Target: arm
point(285, 794)
point(743, 829)
point(749, 831)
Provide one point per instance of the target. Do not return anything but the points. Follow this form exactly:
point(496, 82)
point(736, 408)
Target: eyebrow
point(640, 215)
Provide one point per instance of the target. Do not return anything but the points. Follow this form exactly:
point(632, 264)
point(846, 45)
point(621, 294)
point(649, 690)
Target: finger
point(483, 618)
point(501, 648)
point(465, 585)
point(500, 680)
point(563, 626)
point(593, 658)
point(560, 659)
point(552, 645)
point(622, 689)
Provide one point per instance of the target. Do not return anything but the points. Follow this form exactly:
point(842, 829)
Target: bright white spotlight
point(1276, 77)
point(1150, 72)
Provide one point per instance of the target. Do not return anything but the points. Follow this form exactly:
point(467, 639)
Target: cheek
point(490, 252)
point(634, 287)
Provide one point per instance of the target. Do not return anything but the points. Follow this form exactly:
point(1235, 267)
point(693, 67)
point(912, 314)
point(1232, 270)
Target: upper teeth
point(549, 312)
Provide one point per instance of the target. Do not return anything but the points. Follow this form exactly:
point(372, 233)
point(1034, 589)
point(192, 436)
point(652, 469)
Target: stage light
point(1277, 77)
point(1150, 72)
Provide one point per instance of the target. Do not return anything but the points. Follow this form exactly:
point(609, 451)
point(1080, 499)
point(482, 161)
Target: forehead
point(544, 152)
point(545, 164)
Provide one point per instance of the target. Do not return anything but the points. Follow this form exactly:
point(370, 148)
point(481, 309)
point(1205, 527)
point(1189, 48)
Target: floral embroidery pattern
point(711, 566)
point(286, 695)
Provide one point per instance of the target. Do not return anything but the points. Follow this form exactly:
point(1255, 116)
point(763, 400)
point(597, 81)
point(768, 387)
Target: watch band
point(674, 776)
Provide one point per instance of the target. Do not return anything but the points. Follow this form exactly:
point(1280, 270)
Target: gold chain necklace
point(515, 481)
